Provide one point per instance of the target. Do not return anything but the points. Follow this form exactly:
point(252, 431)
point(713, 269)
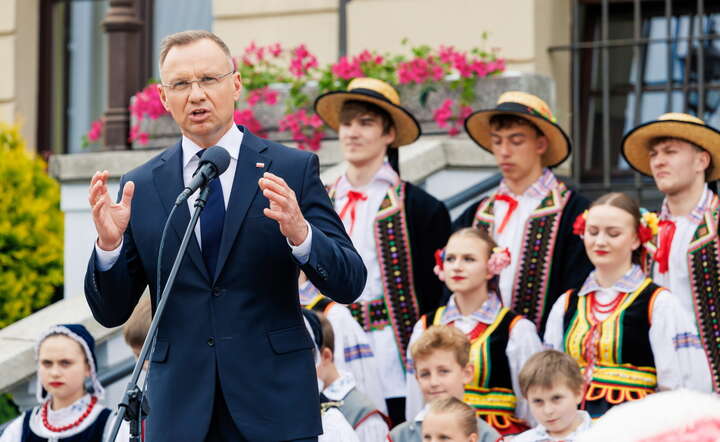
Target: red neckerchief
point(662, 255)
point(512, 205)
point(352, 199)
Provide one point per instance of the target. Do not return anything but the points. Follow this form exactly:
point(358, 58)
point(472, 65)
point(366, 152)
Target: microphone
point(213, 163)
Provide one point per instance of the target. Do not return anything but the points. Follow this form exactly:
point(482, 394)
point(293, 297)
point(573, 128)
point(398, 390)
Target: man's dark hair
point(506, 121)
point(352, 109)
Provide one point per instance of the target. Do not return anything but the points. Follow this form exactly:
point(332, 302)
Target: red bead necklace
point(599, 307)
point(77, 422)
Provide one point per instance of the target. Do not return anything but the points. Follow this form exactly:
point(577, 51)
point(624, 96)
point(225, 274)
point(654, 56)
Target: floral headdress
point(647, 228)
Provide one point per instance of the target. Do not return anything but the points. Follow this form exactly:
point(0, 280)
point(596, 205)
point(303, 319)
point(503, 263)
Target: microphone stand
point(130, 408)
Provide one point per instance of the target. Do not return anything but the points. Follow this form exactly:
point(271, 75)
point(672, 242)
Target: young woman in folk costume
point(68, 390)
point(625, 331)
point(501, 340)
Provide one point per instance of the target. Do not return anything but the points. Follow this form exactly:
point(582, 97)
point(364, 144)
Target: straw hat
point(377, 92)
point(636, 144)
point(527, 106)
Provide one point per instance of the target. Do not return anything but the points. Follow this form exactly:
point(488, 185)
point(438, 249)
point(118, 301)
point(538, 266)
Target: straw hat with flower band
point(533, 109)
point(371, 90)
point(636, 144)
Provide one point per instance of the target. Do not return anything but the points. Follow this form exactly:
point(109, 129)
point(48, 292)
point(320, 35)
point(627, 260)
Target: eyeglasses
point(206, 82)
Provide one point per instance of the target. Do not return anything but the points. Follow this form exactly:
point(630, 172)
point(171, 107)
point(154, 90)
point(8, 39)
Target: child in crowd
point(625, 332)
point(339, 386)
point(442, 368)
point(501, 340)
point(335, 426)
point(353, 354)
point(137, 326)
point(450, 419)
point(553, 386)
point(68, 391)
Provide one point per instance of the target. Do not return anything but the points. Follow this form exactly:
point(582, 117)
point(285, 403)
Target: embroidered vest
point(490, 392)
point(624, 369)
point(704, 269)
point(399, 306)
point(532, 278)
point(92, 433)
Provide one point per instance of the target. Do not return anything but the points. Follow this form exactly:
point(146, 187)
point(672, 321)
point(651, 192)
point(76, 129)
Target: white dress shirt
point(231, 141)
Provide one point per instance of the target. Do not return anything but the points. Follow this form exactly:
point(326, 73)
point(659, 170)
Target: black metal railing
point(613, 68)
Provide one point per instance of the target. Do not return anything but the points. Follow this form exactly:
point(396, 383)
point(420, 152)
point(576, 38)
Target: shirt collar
point(385, 174)
point(485, 314)
point(539, 189)
point(697, 214)
point(629, 282)
point(421, 415)
point(231, 142)
point(341, 387)
point(541, 434)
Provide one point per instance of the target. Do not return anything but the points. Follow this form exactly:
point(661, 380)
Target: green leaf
point(424, 94)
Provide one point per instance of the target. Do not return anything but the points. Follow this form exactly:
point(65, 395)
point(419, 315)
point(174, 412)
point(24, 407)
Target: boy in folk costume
point(395, 226)
point(353, 353)
point(531, 213)
point(682, 154)
point(339, 386)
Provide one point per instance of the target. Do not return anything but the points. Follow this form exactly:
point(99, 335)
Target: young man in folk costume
point(532, 212)
point(396, 226)
point(682, 154)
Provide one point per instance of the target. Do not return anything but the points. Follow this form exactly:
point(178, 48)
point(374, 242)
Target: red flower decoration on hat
point(579, 224)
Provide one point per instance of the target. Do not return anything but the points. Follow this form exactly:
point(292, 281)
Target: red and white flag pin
point(260, 165)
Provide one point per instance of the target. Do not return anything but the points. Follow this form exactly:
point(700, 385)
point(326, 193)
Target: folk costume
point(352, 352)
point(396, 228)
point(500, 343)
point(628, 339)
point(370, 424)
point(540, 433)
point(85, 420)
point(685, 255)
point(536, 226)
point(411, 430)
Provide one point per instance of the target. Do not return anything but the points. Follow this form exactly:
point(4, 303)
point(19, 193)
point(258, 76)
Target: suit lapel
point(250, 167)
point(168, 182)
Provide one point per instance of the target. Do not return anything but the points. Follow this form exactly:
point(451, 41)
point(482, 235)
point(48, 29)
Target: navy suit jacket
point(242, 324)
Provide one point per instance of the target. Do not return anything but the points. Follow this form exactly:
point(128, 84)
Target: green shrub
point(8, 409)
point(31, 230)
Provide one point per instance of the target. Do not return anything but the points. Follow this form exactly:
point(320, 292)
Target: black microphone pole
point(130, 408)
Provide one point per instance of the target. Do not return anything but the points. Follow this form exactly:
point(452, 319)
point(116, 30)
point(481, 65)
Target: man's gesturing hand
point(284, 208)
point(110, 219)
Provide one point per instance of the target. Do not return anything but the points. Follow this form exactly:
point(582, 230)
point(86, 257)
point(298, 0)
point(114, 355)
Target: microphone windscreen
point(217, 156)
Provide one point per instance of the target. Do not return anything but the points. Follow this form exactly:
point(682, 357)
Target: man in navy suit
point(233, 360)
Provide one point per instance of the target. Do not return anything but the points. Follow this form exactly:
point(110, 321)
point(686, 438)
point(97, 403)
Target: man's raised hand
point(111, 219)
point(284, 208)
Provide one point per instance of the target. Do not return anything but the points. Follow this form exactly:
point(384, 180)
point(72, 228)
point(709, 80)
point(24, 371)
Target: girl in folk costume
point(351, 347)
point(501, 340)
point(68, 390)
point(395, 226)
point(682, 154)
point(532, 212)
point(625, 332)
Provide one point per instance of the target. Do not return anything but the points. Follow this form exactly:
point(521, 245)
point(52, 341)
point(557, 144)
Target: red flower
point(644, 233)
point(579, 224)
point(440, 258)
